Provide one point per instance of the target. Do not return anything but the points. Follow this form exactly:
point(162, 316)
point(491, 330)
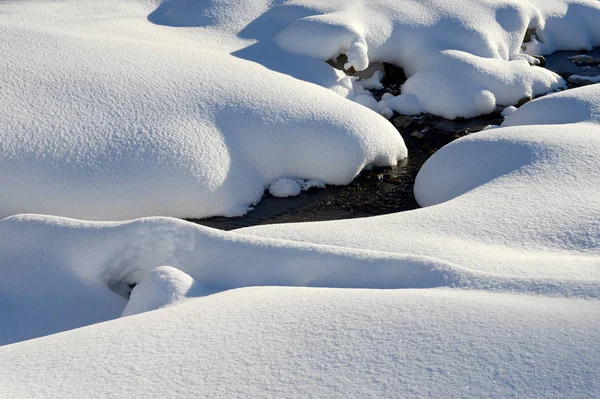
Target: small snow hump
point(285, 187)
point(163, 286)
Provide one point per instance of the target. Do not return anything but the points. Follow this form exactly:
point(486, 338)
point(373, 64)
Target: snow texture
point(285, 188)
point(282, 342)
point(105, 115)
point(461, 60)
point(490, 290)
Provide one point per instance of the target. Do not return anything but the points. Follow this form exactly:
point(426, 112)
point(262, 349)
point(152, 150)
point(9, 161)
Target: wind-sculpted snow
point(94, 262)
point(122, 118)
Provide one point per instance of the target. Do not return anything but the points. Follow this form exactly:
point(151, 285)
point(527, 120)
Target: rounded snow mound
point(285, 188)
point(163, 286)
point(149, 121)
point(570, 106)
point(461, 61)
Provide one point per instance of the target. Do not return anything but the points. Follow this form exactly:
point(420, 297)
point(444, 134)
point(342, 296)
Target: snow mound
point(461, 60)
point(94, 263)
point(518, 200)
point(285, 188)
point(268, 341)
point(126, 118)
point(567, 107)
point(162, 286)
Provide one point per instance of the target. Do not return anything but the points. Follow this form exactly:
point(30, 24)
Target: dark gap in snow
point(387, 190)
point(124, 285)
point(393, 75)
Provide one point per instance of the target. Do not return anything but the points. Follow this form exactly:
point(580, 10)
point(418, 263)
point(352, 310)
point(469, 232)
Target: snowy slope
point(105, 115)
point(282, 342)
point(93, 263)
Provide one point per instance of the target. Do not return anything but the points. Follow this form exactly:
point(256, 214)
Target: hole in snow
point(393, 75)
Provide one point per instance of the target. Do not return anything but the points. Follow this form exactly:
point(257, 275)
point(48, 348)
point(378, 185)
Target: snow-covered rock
point(285, 187)
point(461, 60)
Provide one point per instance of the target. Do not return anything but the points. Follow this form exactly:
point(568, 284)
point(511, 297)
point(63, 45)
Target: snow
point(374, 82)
point(268, 341)
point(107, 116)
point(162, 286)
point(508, 111)
point(118, 109)
point(285, 188)
point(461, 60)
point(519, 200)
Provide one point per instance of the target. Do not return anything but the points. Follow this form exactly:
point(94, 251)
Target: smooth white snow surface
point(283, 342)
point(106, 115)
point(491, 290)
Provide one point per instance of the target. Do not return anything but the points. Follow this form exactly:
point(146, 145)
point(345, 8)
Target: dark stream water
point(384, 190)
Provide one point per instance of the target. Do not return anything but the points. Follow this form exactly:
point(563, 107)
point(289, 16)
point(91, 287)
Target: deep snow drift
point(104, 115)
point(491, 290)
point(514, 210)
point(298, 342)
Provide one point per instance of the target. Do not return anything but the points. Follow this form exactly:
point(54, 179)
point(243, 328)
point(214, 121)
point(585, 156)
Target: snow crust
point(105, 115)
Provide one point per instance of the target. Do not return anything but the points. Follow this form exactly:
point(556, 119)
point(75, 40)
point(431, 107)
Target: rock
point(529, 34)
point(584, 60)
point(393, 74)
point(417, 134)
point(541, 59)
point(524, 100)
point(579, 80)
point(403, 121)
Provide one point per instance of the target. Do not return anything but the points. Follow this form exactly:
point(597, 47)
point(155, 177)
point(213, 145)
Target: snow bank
point(96, 263)
point(265, 342)
point(125, 118)
point(520, 200)
point(461, 60)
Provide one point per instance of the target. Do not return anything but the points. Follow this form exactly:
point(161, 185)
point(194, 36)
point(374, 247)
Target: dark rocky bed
point(385, 190)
